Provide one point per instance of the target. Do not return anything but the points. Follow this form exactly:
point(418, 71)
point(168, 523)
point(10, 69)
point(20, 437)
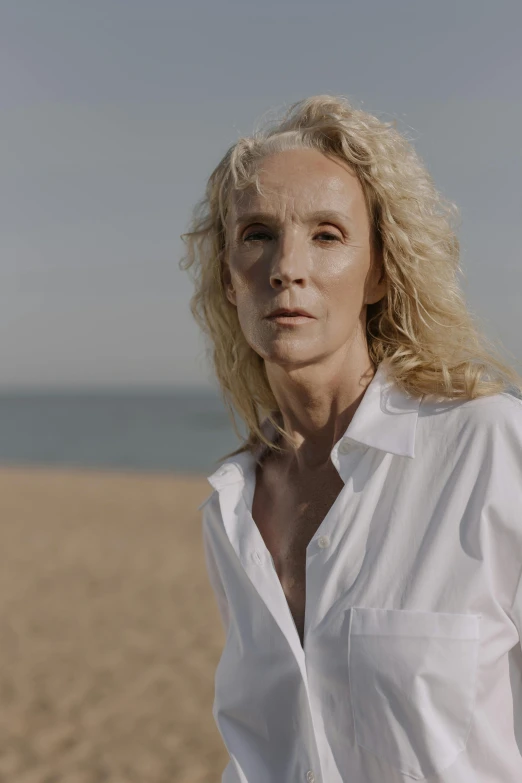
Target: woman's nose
point(285, 279)
point(289, 263)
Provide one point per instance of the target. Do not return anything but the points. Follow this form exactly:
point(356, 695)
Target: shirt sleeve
point(214, 577)
point(516, 609)
point(515, 457)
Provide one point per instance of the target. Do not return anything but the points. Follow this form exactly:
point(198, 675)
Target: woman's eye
point(252, 237)
point(327, 234)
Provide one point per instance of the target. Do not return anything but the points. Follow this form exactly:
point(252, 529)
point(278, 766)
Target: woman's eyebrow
point(321, 216)
point(253, 217)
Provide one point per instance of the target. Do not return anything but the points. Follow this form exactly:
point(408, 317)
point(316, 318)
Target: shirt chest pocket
point(413, 678)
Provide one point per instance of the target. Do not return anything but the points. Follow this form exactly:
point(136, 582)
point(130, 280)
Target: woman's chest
point(287, 516)
point(288, 512)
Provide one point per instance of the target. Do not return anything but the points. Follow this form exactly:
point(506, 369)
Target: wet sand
point(109, 632)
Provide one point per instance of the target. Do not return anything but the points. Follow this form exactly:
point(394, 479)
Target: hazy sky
point(114, 113)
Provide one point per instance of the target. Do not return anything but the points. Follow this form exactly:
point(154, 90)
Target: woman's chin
point(288, 356)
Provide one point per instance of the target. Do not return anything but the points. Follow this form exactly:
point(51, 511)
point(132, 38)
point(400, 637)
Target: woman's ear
point(377, 280)
point(227, 283)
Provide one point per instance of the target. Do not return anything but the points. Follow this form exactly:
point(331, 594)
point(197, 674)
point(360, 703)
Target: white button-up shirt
point(411, 665)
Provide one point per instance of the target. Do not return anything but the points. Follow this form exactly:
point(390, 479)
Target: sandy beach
point(109, 631)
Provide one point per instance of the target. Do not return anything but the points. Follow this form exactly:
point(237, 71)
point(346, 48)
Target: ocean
point(177, 431)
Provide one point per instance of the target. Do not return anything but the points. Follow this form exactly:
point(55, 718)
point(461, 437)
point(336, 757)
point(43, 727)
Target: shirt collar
point(385, 419)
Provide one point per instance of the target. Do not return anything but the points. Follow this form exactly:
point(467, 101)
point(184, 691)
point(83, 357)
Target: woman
point(365, 542)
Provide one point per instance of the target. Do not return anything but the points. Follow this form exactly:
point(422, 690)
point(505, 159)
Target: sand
point(109, 632)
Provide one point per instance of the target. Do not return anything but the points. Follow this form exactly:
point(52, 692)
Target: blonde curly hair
point(422, 326)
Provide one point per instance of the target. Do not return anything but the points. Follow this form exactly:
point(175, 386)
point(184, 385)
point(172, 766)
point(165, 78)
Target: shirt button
point(256, 557)
point(344, 446)
point(310, 777)
point(323, 541)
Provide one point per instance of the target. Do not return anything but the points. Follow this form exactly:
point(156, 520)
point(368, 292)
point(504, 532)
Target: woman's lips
point(290, 320)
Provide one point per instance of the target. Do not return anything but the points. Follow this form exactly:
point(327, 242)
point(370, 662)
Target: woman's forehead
point(312, 196)
point(295, 173)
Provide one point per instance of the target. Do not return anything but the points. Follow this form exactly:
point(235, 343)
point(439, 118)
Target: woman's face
point(284, 254)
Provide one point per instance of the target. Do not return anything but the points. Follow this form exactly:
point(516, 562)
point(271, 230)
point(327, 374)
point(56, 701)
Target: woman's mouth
point(290, 319)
